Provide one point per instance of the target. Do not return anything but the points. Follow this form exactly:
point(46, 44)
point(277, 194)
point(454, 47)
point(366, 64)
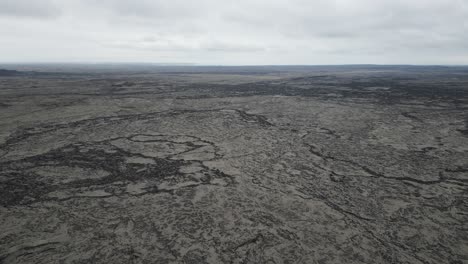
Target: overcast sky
point(235, 32)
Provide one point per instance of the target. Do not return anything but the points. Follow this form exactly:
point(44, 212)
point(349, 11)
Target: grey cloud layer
point(29, 8)
point(237, 32)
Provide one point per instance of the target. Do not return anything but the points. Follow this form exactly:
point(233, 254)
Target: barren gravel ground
point(235, 165)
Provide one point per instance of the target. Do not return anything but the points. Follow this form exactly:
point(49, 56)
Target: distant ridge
point(4, 72)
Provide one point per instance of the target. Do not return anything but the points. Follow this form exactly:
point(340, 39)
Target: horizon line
point(182, 64)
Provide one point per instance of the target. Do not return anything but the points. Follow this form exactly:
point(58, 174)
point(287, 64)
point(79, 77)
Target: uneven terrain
point(345, 164)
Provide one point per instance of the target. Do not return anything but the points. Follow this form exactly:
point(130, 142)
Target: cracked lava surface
point(317, 165)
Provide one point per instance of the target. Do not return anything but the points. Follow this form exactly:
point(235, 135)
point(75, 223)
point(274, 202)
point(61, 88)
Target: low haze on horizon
point(255, 32)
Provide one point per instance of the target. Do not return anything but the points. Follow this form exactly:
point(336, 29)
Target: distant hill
point(4, 72)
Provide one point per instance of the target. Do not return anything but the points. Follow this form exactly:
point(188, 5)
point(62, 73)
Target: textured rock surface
point(319, 165)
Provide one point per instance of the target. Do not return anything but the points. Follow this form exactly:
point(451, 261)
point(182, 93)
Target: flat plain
point(298, 164)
